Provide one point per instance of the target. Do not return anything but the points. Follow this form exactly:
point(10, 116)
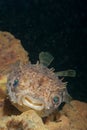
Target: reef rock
point(73, 116)
point(11, 51)
point(76, 112)
point(26, 121)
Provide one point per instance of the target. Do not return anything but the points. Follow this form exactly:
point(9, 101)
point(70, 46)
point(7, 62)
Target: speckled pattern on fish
point(35, 86)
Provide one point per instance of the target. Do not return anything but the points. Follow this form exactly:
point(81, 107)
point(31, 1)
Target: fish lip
point(32, 103)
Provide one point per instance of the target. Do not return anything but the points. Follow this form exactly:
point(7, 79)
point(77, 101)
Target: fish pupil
point(15, 82)
point(55, 99)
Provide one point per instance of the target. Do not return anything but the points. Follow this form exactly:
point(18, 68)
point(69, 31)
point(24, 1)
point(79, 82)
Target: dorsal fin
point(45, 58)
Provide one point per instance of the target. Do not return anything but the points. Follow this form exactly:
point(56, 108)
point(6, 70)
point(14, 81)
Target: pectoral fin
point(69, 73)
point(45, 58)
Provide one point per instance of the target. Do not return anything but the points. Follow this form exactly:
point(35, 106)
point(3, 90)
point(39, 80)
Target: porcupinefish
point(35, 86)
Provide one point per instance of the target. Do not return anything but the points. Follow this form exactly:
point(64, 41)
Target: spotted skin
point(35, 86)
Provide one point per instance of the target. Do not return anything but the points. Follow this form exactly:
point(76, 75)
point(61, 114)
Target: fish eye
point(15, 83)
point(56, 99)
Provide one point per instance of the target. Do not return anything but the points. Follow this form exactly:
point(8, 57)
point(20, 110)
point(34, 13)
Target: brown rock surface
point(26, 121)
point(76, 112)
point(11, 50)
point(61, 124)
point(73, 116)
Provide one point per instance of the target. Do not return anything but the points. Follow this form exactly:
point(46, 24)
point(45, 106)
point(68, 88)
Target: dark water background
point(56, 26)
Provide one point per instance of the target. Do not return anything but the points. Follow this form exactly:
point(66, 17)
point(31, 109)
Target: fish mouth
point(33, 103)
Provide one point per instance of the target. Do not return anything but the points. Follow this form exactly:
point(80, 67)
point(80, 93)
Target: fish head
point(34, 86)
